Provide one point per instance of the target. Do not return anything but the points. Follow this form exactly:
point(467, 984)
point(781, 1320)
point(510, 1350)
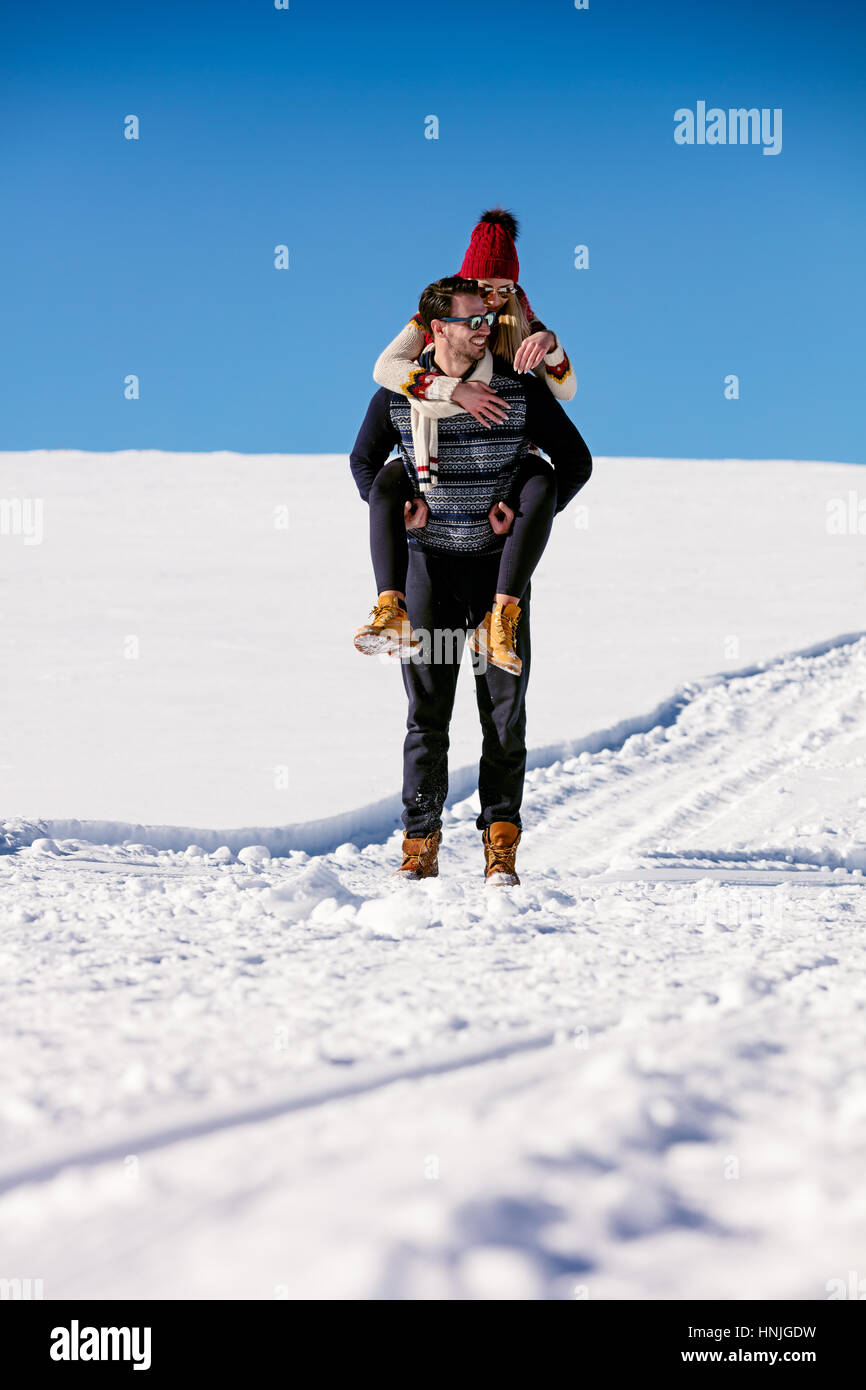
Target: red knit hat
point(492, 251)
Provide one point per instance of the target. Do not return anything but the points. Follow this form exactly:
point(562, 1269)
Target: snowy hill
point(265, 1072)
point(155, 644)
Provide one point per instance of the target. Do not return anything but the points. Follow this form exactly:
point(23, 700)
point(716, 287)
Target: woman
point(521, 338)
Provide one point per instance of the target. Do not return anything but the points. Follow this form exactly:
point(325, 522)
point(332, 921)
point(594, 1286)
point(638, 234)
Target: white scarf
point(425, 430)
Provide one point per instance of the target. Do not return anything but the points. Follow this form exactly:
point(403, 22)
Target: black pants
point(533, 496)
point(451, 594)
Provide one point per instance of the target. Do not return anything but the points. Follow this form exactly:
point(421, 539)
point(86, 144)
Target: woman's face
point(495, 291)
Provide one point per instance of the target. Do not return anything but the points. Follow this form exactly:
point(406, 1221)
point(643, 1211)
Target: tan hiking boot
point(420, 857)
point(479, 640)
point(500, 851)
point(388, 630)
point(495, 637)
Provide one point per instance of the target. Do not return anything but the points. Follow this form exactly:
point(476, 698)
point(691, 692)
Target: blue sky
point(306, 127)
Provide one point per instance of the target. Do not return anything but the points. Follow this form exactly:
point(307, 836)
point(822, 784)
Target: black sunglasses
point(475, 320)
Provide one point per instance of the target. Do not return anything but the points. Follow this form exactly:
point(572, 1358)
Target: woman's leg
point(388, 628)
point(535, 490)
point(390, 492)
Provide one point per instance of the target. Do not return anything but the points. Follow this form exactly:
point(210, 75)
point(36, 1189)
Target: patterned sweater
point(477, 466)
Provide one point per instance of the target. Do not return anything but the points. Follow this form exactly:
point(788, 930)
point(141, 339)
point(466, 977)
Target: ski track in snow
point(626, 1078)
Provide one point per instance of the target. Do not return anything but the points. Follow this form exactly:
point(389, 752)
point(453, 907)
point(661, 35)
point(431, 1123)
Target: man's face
point(461, 339)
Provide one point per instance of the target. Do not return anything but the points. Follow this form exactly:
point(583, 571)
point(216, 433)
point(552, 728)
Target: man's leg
point(501, 698)
point(430, 686)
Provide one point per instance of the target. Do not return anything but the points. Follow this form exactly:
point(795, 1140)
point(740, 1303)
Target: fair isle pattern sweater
point(477, 466)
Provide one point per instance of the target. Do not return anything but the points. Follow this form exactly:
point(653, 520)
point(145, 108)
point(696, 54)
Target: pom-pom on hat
point(492, 251)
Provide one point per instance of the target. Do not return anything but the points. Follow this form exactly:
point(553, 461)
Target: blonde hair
point(512, 327)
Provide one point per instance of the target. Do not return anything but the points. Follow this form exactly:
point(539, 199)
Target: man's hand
point(501, 517)
point(532, 350)
point(478, 400)
point(415, 514)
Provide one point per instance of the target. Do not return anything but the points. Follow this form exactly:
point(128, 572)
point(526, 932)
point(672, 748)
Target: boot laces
point(420, 855)
point(504, 627)
point(501, 858)
point(385, 608)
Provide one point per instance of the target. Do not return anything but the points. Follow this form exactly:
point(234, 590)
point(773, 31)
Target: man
point(462, 471)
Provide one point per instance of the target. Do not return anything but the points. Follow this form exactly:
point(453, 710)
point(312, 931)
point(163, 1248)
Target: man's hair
point(437, 299)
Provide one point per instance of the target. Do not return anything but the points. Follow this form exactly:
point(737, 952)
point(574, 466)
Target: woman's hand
point(501, 517)
point(478, 400)
point(415, 514)
point(533, 349)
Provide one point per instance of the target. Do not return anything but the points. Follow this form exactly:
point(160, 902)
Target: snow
point(248, 1064)
point(244, 669)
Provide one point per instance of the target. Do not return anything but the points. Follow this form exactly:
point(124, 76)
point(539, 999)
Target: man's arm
point(548, 426)
point(376, 438)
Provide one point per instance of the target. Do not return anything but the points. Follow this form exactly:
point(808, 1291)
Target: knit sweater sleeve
point(556, 372)
point(555, 369)
point(397, 368)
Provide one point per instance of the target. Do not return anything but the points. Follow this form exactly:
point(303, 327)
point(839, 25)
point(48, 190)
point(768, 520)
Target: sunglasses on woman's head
point(487, 290)
point(475, 320)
